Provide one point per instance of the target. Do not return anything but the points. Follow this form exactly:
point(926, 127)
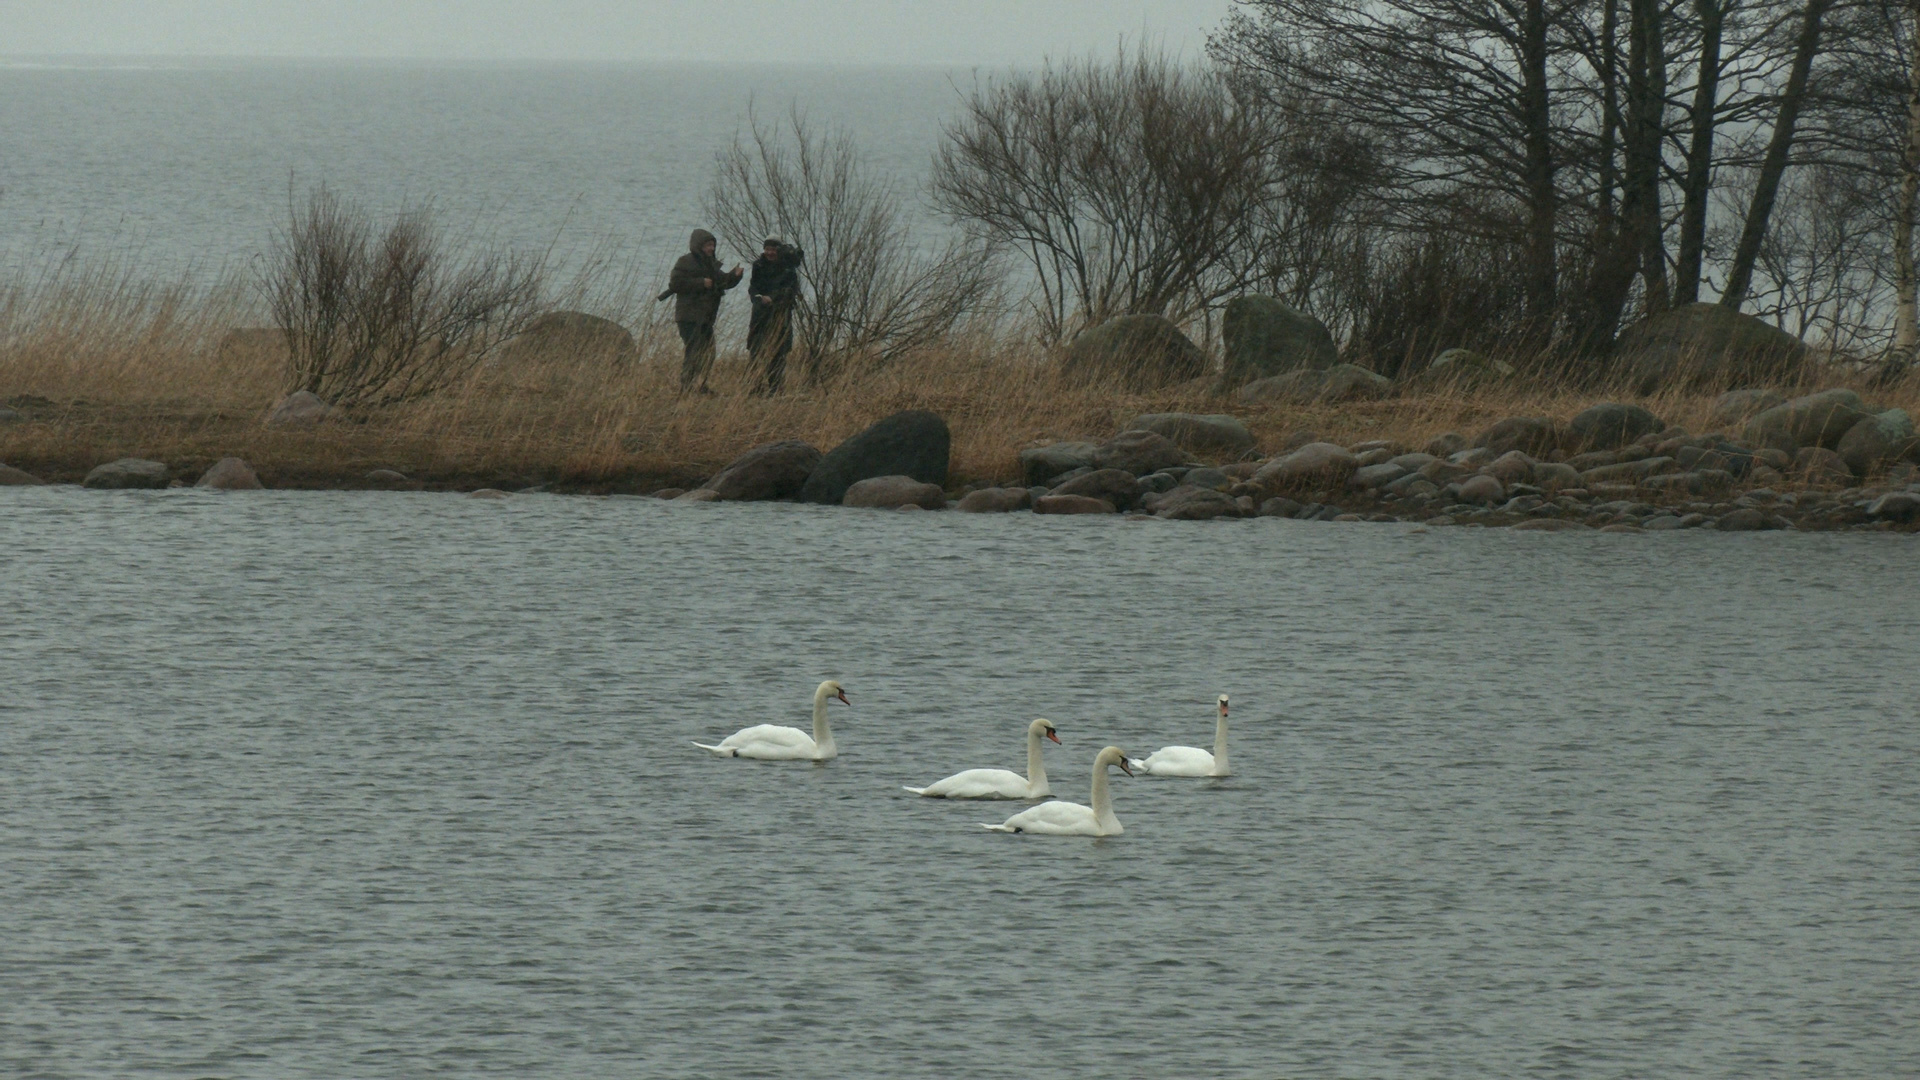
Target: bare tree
point(1131, 187)
point(871, 287)
point(375, 320)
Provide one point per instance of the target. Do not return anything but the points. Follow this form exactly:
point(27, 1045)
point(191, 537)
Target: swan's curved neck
point(822, 732)
point(1103, 799)
point(1036, 763)
point(1220, 746)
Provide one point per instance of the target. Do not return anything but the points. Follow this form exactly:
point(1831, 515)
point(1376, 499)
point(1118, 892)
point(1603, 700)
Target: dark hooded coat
point(694, 302)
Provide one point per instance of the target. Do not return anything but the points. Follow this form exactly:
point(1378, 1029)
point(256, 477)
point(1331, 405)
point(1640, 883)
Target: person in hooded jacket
point(697, 285)
point(774, 290)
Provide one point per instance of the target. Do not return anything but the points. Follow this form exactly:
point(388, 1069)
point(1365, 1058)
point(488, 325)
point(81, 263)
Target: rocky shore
point(1818, 462)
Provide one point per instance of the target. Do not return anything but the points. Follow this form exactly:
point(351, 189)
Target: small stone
point(669, 493)
point(1743, 520)
point(1822, 467)
point(12, 477)
point(891, 492)
point(1512, 467)
point(488, 493)
point(128, 473)
point(1315, 465)
point(1043, 463)
point(1534, 435)
point(1610, 425)
point(230, 474)
point(1071, 504)
point(1279, 506)
point(698, 495)
point(1482, 490)
point(1901, 506)
point(1376, 476)
point(1116, 486)
point(299, 410)
point(1661, 523)
point(1445, 445)
point(1622, 527)
point(994, 501)
point(1548, 524)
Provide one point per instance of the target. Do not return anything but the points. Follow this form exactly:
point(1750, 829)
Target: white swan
point(1072, 819)
point(770, 742)
point(1191, 760)
point(999, 783)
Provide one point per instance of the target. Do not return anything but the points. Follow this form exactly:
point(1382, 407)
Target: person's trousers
point(769, 340)
point(698, 339)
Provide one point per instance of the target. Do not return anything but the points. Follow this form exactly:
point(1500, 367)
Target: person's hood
point(701, 238)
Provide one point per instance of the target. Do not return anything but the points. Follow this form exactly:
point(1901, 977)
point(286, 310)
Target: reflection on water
point(336, 784)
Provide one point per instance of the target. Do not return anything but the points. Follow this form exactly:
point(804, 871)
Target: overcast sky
point(832, 31)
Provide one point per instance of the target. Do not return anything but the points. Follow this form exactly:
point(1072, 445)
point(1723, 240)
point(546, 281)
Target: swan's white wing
point(1177, 761)
point(1053, 819)
point(977, 784)
point(768, 741)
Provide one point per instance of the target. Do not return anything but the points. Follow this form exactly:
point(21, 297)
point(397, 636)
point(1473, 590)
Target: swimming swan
point(770, 742)
point(1191, 760)
point(1071, 819)
point(999, 783)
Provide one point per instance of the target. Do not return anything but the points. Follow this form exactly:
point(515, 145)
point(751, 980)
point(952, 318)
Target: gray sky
point(834, 31)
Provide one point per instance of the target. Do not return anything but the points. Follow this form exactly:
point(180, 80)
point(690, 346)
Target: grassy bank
point(103, 368)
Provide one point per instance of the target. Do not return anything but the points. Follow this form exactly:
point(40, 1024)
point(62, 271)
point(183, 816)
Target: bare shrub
point(869, 289)
point(380, 320)
point(1131, 187)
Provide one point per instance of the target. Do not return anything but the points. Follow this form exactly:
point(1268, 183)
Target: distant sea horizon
point(184, 165)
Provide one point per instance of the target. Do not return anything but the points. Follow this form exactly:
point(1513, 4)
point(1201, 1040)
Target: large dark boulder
point(1140, 453)
point(1140, 352)
point(1610, 426)
point(1814, 420)
point(570, 337)
point(1878, 439)
point(1116, 486)
point(12, 477)
point(1042, 463)
point(914, 443)
point(1707, 347)
point(1264, 337)
point(775, 470)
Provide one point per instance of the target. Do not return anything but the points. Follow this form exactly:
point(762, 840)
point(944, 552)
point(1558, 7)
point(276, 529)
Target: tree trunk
point(1906, 329)
point(1774, 165)
point(1647, 126)
point(1542, 259)
point(1699, 179)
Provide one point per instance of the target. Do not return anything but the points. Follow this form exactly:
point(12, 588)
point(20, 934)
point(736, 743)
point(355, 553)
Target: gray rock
point(1629, 471)
point(1138, 352)
point(298, 411)
point(1138, 452)
point(1707, 346)
point(1115, 486)
point(128, 473)
point(1279, 506)
point(1071, 504)
point(1375, 476)
point(1512, 467)
point(1198, 433)
point(1043, 463)
point(12, 477)
point(1305, 386)
point(230, 474)
point(1412, 486)
point(1315, 465)
point(1555, 475)
point(1414, 462)
point(1744, 520)
point(1478, 457)
point(1901, 506)
point(391, 480)
point(912, 443)
point(1876, 440)
point(1535, 436)
point(775, 470)
point(1822, 467)
point(1194, 504)
point(1460, 369)
point(994, 501)
point(1610, 425)
point(1211, 479)
point(1366, 456)
point(1814, 420)
point(1550, 524)
point(1446, 445)
point(571, 337)
point(1264, 337)
point(1734, 407)
point(892, 492)
point(488, 493)
point(698, 495)
point(1699, 482)
point(1159, 481)
point(1482, 491)
point(1661, 523)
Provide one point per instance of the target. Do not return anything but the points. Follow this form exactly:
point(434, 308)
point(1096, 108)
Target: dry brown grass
point(128, 369)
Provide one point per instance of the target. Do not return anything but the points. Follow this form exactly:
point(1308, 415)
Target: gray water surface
point(396, 785)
